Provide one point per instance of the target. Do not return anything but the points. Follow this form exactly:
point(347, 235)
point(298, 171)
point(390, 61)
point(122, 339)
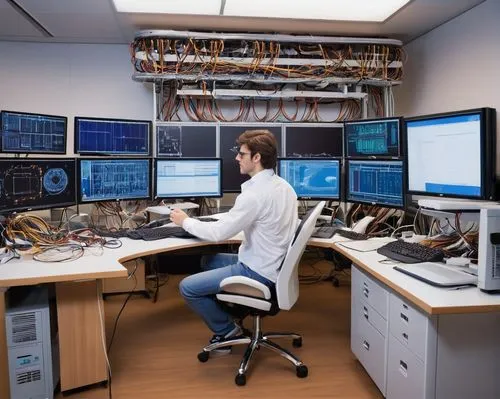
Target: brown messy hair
point(262, 142)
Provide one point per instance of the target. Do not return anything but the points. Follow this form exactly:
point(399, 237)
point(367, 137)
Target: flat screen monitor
point(375, 182)
point(373, 138)
point(112, 136)
point(452, 154)
point(229, 133)
point(29, 184)
point(312, 178)
point(28, 133)
point(188, 178)
point(313, 141)
point(186, 140)
point(113, 179)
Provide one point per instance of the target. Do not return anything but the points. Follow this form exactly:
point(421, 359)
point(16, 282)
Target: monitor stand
point(450, 204)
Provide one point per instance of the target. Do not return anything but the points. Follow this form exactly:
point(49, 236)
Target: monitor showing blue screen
point(33, 133)
point(452, 154)
point(27, 184)
point(188, 178)
point(312, 178)
point(113, 179)
point(375, 182)
point(112, 136)
point(374, 137)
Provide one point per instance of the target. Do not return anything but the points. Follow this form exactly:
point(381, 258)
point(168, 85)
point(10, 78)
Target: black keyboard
point(324, 232)
point(410, 252)
point(163, 232)
point(352, 235)
point(206, 219)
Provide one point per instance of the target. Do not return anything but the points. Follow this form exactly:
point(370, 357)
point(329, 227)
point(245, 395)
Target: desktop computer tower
point(33, 348)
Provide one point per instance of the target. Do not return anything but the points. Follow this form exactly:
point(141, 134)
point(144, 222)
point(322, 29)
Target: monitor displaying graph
point(112, 136)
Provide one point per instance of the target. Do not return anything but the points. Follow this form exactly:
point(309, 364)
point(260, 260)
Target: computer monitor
point(375, 182)
point(188, 178)
point(452, 154)
point(313, 140)
point(186, 140)
point(312, 178)
point(27, 184)
point(29, 133)
point(373, 138)
point(112, 136)
point(113, 179)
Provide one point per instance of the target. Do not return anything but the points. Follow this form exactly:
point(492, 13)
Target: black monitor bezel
point(400, 120)
point(314, 198)
point(47, 206)
point(373, 203)
point(76, 134)
point(172, 159)
point(65, 118)
point(488, 152)
point(79, 180)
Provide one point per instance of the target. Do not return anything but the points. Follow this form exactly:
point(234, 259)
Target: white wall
point(456, 66)
point(72, 80)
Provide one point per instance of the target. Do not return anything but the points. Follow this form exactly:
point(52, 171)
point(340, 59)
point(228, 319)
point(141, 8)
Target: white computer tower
point(33, 347)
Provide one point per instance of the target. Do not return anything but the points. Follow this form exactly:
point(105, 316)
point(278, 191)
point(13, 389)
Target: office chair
point(251, 297)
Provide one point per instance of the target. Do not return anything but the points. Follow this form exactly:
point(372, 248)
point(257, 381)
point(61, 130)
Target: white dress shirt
point(266, 211)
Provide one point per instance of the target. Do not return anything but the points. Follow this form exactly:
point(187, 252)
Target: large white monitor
point(452, 154)
point(188, 178)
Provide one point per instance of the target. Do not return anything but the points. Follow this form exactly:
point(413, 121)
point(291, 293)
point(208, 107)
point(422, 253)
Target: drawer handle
point(366, 345)
point(404, 317)
point(405, 336)
point(403, 368)
point(365, 312)
point(405, 306)
point(366, 292)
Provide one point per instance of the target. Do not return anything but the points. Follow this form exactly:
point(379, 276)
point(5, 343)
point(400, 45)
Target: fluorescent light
point(201, 7)
point(337, 10)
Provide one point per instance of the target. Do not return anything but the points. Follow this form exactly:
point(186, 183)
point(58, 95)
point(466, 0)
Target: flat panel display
point(112, 136)
point(373, 137)
point(313, 141)
point(186, 141)
point(29, 133)
point(452, 154)
point(375, 182)
point(188, 178)
point(36, 184)
point(312, 178)
point(232, 179)
point(113, 179)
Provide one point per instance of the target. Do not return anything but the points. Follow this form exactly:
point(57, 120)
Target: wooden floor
point(155, 347)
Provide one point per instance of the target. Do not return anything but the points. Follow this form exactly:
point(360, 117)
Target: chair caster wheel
point(302, 371)
point(297, 342)
point(203, 356)
point(240, 379)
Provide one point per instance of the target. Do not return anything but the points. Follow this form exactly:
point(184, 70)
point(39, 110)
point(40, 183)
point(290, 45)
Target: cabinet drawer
point(371, 292)
point(405, 373)
point(361, 310)
point(408, 325)
point(370, 347)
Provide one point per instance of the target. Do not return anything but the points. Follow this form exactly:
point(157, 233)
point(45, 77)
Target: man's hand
point(177, 216)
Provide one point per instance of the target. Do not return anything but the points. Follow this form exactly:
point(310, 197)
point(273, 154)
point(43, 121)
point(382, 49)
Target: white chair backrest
point(287, 285)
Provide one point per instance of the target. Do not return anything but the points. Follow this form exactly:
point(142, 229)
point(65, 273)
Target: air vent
point(28, 376)
point(24, 328)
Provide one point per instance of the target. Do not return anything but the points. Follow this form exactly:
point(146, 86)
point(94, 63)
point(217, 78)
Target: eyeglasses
point(236, 150)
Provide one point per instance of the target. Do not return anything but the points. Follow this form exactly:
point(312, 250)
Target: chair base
point(255, 342)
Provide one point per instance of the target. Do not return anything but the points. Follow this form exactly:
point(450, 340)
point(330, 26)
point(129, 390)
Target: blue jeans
point(199, 289)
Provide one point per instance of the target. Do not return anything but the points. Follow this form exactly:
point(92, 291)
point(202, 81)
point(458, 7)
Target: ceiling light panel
point(201, 7)
point(337, 10)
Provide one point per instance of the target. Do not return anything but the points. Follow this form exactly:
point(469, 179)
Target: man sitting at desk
point(265, 211)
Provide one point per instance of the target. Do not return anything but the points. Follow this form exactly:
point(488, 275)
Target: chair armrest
point(245, 286)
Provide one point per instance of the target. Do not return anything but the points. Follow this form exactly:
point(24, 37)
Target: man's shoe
point(225, 350)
